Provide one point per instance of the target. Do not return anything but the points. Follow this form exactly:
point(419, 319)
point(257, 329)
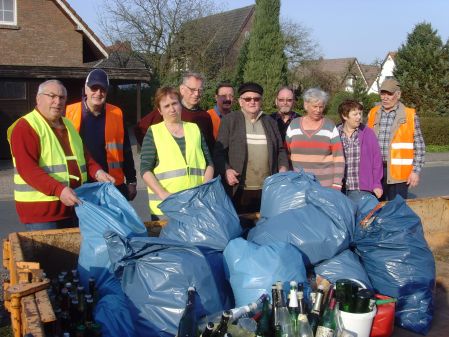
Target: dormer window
point(8, 12)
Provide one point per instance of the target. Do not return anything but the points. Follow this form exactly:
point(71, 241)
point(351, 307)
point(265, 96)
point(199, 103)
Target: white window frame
point(14, 22)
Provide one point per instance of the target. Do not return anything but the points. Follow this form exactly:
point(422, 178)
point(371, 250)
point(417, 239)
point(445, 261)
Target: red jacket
point(26, 154)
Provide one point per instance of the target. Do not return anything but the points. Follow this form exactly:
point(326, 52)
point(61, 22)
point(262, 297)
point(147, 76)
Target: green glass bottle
point(263, 325)
point(222, 327)
point(188, 325)
point(326, 327)
point(209, 328)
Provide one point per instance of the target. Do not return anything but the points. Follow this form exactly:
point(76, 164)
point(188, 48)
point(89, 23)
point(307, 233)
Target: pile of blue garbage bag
point(303, 228)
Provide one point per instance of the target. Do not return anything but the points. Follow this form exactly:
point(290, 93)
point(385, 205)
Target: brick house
point(217, 41)
point(45, 39)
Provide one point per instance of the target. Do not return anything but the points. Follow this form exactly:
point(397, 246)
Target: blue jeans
point(60, 224)
point(356, 195)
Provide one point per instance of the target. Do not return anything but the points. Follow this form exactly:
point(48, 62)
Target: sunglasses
point(249, 99)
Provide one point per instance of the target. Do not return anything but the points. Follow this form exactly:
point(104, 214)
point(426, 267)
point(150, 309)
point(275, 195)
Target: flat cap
point(390, 85)
point(250, 86)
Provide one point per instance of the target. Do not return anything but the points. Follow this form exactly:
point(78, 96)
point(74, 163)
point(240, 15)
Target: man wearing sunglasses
point(191, 90)
point(249, 148)
point(285, 101)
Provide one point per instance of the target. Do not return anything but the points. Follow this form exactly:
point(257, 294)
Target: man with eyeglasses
point(224, 96)
point(249, 148)
point(191, 90)
point(102, 127)
point(50, 162)
point(285, 101)
point(400, 138)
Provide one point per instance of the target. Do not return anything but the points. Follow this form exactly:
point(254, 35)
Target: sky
point(366, 29)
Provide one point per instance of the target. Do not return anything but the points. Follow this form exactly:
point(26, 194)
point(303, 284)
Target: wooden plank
point(16, 254)
point(31, 319)
point(6, 253)
point(44, 306)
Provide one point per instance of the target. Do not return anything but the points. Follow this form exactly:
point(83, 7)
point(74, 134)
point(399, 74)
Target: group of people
point(57, 148)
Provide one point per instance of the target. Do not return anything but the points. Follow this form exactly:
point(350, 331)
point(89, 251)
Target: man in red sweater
point(191, 90)
point(50, 162)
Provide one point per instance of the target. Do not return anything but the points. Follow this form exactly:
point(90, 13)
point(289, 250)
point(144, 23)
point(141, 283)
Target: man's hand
point(68, 197)
point(103, 177)
point(132, 191)
point(413, 179)
point(378, 192)
point(231, 177)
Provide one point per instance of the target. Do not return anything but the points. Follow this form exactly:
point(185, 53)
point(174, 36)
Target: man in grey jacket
point(249, 148)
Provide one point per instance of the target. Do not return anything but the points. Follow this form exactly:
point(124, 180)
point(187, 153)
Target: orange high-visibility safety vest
point(114, 137)
point(216, 120)
point(401, 151)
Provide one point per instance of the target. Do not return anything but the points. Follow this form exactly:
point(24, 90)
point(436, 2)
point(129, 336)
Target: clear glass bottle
point(304, 329)
point(315, 313)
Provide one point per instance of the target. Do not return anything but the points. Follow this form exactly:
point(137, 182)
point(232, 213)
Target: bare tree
point(299, 45)
point(151, 26)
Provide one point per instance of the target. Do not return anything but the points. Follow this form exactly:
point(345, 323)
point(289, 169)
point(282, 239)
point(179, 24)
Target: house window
point(8, 12)
point(12, 90)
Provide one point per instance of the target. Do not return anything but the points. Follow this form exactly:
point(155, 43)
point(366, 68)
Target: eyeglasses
point(53, 96)
point(284, 100)
point(199, 90)
point(249, 99)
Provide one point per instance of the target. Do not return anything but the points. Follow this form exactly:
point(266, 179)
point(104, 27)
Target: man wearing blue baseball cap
point(102, 128)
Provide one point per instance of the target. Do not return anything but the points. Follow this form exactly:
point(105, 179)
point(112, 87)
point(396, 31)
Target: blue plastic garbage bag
point(155, 274)
point(345, 265)
point(252, 268)
point(203, 215)
point(321, 229)
point(364, 206)
point(104, 208)
point(215, 260)
point(112, 313)
point(399, 263)
point(284, 191)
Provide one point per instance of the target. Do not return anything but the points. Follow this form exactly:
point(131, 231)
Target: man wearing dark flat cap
point(400, 138)
point(249, 148)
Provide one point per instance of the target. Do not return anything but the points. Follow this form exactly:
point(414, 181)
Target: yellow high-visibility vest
point(173, 172)
point(52, 158)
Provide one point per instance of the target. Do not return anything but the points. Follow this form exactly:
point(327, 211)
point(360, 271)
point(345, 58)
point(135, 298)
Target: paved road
point(434, 182)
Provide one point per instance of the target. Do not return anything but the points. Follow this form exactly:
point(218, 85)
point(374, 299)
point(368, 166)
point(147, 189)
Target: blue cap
point(97, 77)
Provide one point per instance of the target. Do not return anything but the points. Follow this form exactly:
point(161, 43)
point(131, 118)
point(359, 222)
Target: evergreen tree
point(266, 63)
point(421, 69)
point(241, 62)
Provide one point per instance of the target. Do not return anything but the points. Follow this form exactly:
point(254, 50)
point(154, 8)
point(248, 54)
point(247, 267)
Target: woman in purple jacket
point(363, 168)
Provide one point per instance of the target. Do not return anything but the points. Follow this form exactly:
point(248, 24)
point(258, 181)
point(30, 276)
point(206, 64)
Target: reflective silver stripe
point(179, 173)
point(153, 197)
point(114, 146)
point(23, 188)
point(196, 172)
point(55, 168)
point(83, 168)
point(117, 164)
point(171, 174)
